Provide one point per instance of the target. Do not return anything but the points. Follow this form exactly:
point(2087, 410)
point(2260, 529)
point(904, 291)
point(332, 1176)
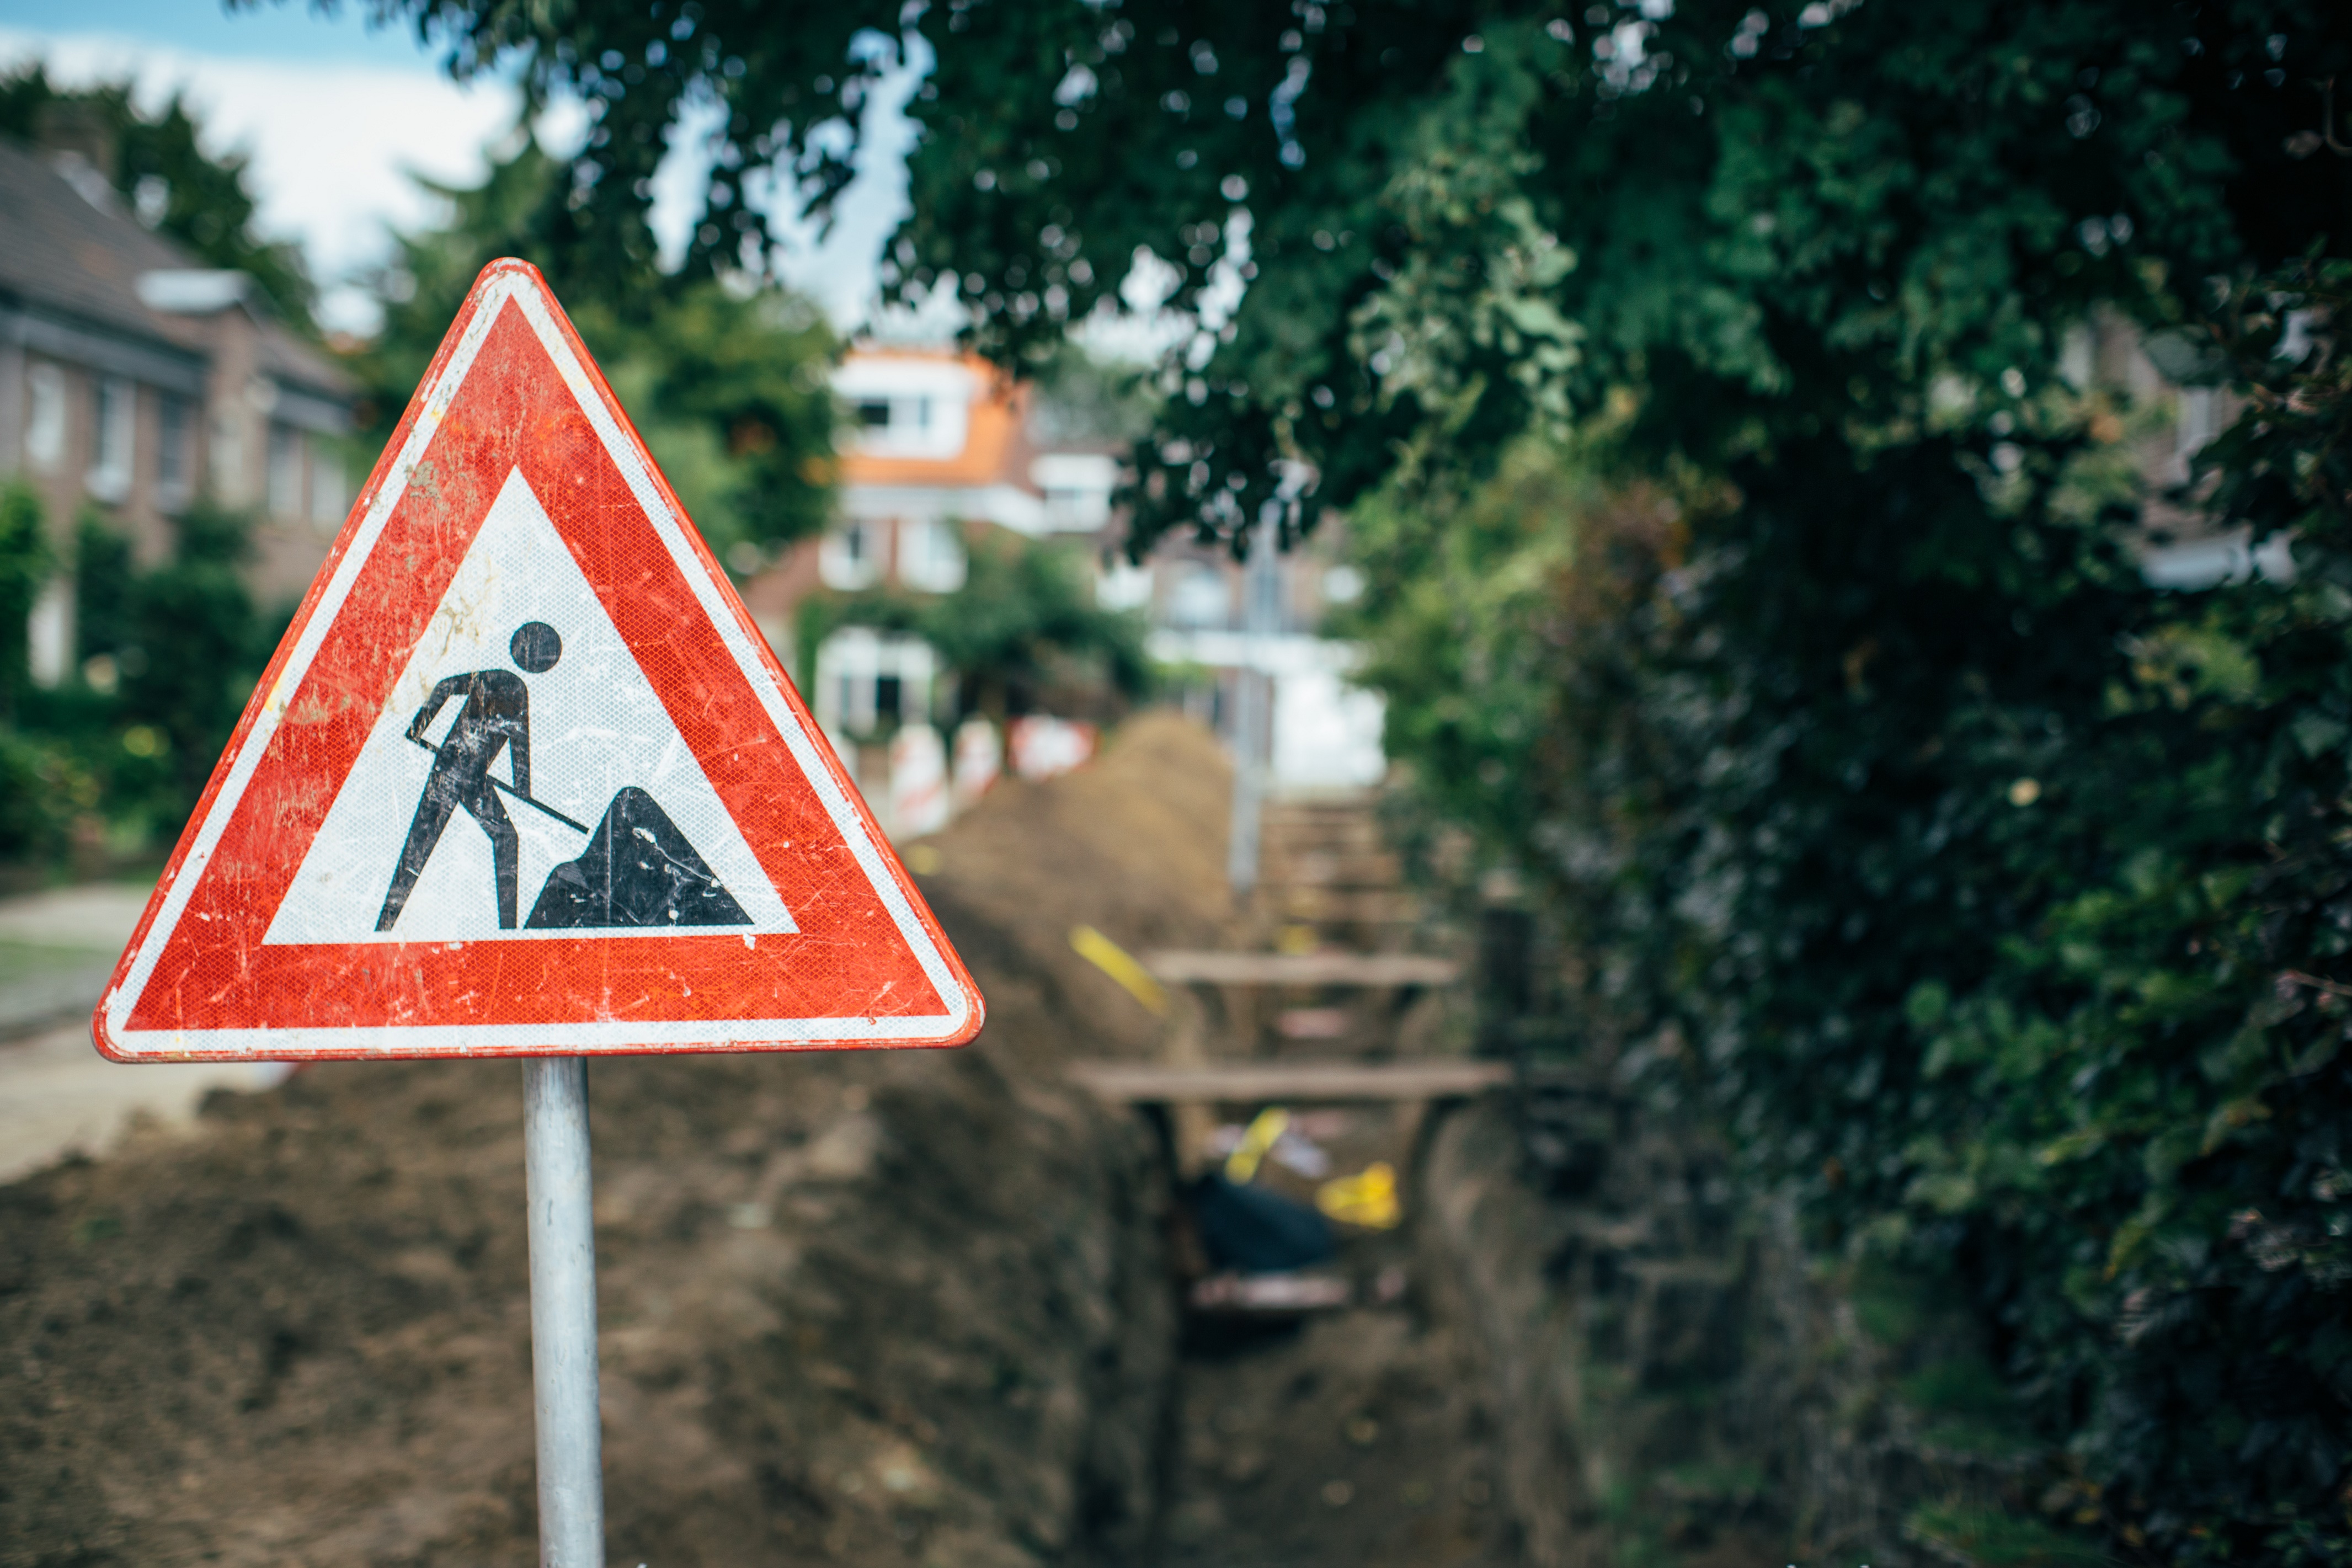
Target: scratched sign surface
point(523, 778)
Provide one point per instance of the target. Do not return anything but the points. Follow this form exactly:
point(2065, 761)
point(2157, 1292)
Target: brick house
point(134, 380)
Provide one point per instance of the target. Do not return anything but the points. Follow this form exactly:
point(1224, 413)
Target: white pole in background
point(563, 1312)
point(1254, 698)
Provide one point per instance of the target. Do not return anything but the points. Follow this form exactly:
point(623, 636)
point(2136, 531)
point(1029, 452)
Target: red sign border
point(500, 285)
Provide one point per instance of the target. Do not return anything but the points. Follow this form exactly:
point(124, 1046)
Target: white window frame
point(929, 402)
point(851, 665)
point(1077, 488)
point(931, 557)
point(329, 498)
point(114, 438)
point(50, 634)
point(1123, 586)
point(175, 448)
point(282, 477)
point(850, 556)
point(1190, 597)
point(46, 419)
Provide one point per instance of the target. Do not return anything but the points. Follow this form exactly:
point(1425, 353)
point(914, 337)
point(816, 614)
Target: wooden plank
point(1275, 1295)
point(1341, 906)
point(1302, 969)
point(1130, 1083)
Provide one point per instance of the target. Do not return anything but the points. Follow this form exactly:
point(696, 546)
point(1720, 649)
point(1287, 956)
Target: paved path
point(58, 1095)
point(56, 950)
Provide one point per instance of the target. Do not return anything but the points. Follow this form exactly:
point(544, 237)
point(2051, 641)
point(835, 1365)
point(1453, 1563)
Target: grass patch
point(23, 961)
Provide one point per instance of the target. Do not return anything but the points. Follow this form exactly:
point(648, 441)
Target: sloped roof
point(68, 254)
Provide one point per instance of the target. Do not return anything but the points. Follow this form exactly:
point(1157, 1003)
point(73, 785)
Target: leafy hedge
point(1997, 899)
point(107, 765)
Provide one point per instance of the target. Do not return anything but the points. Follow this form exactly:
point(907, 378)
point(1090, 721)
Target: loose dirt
point(883, 1309)
point(878, 1309)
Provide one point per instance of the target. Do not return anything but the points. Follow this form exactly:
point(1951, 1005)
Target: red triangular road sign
point(524, 779)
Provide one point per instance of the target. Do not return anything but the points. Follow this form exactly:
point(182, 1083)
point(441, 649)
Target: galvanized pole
point(563, 1312)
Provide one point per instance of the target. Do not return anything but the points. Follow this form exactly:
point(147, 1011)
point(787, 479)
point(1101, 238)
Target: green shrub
point(26, 563)
point(1996, 900)
point(46, 796)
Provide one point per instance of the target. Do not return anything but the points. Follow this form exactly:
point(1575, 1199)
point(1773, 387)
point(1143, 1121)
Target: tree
point(24, 565)
point(170, 183)
point(1995, 900)
point(728, 383)
point(1460, 214)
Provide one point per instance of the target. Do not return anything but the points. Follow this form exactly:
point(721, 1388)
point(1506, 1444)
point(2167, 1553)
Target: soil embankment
point(888, 1308)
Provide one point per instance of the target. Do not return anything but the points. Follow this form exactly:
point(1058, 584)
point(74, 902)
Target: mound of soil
point(875, 1308)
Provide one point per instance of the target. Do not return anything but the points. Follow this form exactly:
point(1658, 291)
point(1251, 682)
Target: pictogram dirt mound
point(888, 1308)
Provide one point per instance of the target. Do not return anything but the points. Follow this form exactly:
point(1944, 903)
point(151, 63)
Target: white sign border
point(517, 285)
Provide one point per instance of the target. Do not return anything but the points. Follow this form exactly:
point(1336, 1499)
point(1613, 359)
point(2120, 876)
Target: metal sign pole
point(563, 1312)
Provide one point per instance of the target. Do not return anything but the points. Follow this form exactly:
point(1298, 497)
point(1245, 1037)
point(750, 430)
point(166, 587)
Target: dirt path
point(891, 1310)
point(894, 1309)
point(1358, 1438)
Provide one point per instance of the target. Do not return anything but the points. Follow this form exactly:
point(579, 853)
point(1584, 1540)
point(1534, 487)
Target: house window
point(285, 471)
point(1077, 488)
point(869, 680)
point(329, 499)
point(44, 420)
point(1068, 508)
point(1123, 586)
point(173, 423)
point(930, 556)
point(116, 409)
point(851, 556)
point(907, 408)
point(877, 415)
point(230, 465)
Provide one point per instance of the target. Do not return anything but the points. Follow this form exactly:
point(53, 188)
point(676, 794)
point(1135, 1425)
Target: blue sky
point(273, 32)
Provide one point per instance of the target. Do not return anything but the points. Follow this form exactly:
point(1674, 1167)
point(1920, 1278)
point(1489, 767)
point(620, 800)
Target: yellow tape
point(1240, 1165)
point(1368, 1198)
point(1115, 961)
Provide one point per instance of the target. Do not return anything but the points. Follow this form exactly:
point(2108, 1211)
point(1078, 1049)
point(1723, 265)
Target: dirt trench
point(875, 1308)
point(1357, 1438)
